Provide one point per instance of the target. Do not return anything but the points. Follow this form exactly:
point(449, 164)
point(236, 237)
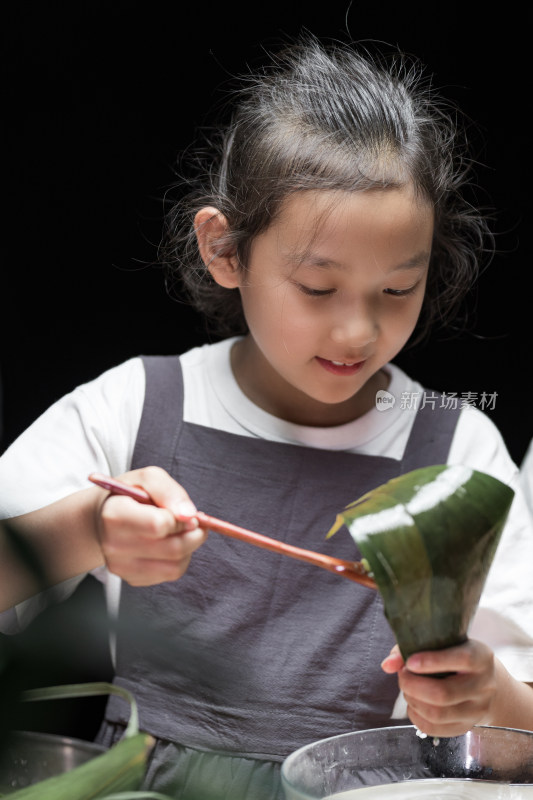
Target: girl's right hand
point(149, 544)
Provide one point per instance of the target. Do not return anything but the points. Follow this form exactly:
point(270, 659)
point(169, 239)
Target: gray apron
point(251, 654)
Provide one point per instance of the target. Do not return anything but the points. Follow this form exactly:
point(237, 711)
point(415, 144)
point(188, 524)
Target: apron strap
point(162, 415)
point(432, 433)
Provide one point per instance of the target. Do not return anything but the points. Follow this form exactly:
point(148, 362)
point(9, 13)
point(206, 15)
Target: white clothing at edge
point(526, 475)
point(94, 429)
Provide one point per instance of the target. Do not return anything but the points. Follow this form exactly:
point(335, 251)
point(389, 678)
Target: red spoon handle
point(353, 570)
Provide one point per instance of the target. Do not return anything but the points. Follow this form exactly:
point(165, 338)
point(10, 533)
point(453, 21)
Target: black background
point(102, 96)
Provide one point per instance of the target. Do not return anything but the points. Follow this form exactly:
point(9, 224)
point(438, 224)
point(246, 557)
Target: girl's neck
point(270, 392)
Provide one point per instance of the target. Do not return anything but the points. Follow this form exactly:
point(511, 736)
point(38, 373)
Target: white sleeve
point(526, 475)
point(504, 619)
point(92, 429)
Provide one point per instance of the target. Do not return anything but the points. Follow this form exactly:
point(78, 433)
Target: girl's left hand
point(452, 705)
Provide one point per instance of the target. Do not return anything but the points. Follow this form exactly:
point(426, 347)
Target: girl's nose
point(356, 331)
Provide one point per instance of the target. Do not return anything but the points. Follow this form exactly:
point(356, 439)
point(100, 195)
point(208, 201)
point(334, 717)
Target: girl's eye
point(402, 292)
point(314, 292)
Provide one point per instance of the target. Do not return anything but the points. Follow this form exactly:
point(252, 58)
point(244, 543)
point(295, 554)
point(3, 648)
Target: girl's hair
point(338, 119)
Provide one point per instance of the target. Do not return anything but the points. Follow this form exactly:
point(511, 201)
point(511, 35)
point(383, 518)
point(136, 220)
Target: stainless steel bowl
point(31, 757)
point(389, 755)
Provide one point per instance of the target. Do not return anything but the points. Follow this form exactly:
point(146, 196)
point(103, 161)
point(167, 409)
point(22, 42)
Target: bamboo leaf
point(72, 690)
point(140, 795)
point(429, 537)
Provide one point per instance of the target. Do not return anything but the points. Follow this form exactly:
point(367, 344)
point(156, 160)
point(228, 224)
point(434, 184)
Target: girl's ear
point(210, 226)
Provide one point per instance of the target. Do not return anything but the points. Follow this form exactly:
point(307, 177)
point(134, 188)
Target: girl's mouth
point(340, 367)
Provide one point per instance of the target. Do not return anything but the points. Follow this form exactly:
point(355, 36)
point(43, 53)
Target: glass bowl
point(495, 761)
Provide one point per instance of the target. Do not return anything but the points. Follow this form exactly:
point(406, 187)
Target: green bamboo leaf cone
point(429, 538)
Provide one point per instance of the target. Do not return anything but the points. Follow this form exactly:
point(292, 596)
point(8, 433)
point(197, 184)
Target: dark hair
point(329, 118)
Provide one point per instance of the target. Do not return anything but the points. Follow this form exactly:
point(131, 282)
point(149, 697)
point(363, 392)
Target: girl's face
point(331, 293)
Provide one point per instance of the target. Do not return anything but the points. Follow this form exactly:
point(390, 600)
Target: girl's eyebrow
point(417, 261)
point(315, 261)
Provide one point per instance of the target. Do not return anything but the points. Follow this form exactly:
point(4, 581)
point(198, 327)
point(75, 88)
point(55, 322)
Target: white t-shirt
point(94, 428)
point(526, 475)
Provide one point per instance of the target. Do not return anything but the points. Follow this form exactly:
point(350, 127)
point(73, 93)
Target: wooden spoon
point(353, 570)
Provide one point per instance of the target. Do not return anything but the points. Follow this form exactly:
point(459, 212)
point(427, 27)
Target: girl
point(331, 230)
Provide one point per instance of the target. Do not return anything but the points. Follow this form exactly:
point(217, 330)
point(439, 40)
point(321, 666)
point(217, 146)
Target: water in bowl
point(438, 789)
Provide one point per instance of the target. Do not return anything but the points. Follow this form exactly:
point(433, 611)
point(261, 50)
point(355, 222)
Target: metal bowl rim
point(55, 738)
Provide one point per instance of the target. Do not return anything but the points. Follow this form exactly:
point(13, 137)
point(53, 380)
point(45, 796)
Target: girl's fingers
point(472, 656)
point(125, 520)
point(146, 530)
point(445, 714)
point(451, 705)
point(164, 491)
point(441, 726)
point(148, 572)
point(393, 662)
point(149, 543)
point(148, 552)
point(469, 657)
point(435, 691)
